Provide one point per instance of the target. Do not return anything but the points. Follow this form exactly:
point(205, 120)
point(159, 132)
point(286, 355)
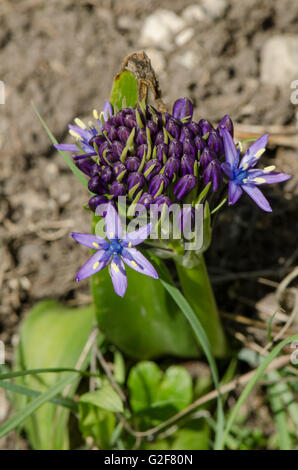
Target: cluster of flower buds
point(149, 156)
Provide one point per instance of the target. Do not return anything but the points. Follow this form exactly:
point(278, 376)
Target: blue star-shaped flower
point(243, 176)
point(115, 251)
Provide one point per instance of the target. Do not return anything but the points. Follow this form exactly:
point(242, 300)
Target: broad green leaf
point(176, 388)
point(105, 398)
point(125, 86)
point(143, 382)
point(155, 395)
point(52, 335)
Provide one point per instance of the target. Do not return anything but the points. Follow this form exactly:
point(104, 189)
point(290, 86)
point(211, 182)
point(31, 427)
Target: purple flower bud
point(95, 201)
point(95, 170)
point(104, 146)
point(141, 137)
point(146, 199)
point(137, 181)
point(158, 183)
point(159, 202)
point(187, 165)
point(153, 128)
point(159, 139)
point(184, 186)
point(119, 118)
point(172, 167)
point(175, 148)
point(130, 121)
point(206, 157)
point(213, 173)
point(112, 133)
point(195, 128)
point(189, 147)
point(119, 168)
point(186, 219)
point(106, 174)
point(123, 134)
point(132, 163)
point(206, 126)
point(186, 133)
point(117, 189)
point(161, 150)
point(151, 169)
point(226, 123)
point(200, 143)
point(183, 108)
point(95, 185)
point(173, 127)
point(214, 142)
point(86, 165)
point(97, 139)
point(140, 150)
point(117, 149)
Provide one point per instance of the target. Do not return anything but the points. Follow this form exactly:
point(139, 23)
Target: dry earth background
point(227, 56)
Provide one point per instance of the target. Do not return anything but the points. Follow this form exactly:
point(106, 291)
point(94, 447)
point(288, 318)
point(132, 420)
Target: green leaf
point(52, 336)
point(279, 412)
point(119, 367)
point(195, 436)
point(106, 398)
point(35, 404)
point(176, 388)
point(97, 423)
point(65, 156)
point(203, 341)
point(143, 382)
point(28, 392)
point(125, 85)
point(156, 396)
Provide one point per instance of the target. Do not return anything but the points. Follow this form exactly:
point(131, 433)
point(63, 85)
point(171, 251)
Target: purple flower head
point(115, 251)
point(155, 147)
point(243, 176)
point(183, 109)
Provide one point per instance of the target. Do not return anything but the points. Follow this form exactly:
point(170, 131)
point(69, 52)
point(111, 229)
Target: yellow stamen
point(259, 180)
point(115, 267)
point(268, 169)
point(245, 180)
point(96, 245)
point(129, 245)
point(134, 264)
point(95, 114)
point(245, 166)
point(112, 235)
point(96, 265)
point(259, 153)
point(75, 134)
point(80, 123)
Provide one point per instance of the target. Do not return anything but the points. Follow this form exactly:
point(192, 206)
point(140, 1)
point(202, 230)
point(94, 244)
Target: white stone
point(279, 61)
point(189, 60)
point(160, 28)
point(185, 36)
point(214, 8)
point(194, 13)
